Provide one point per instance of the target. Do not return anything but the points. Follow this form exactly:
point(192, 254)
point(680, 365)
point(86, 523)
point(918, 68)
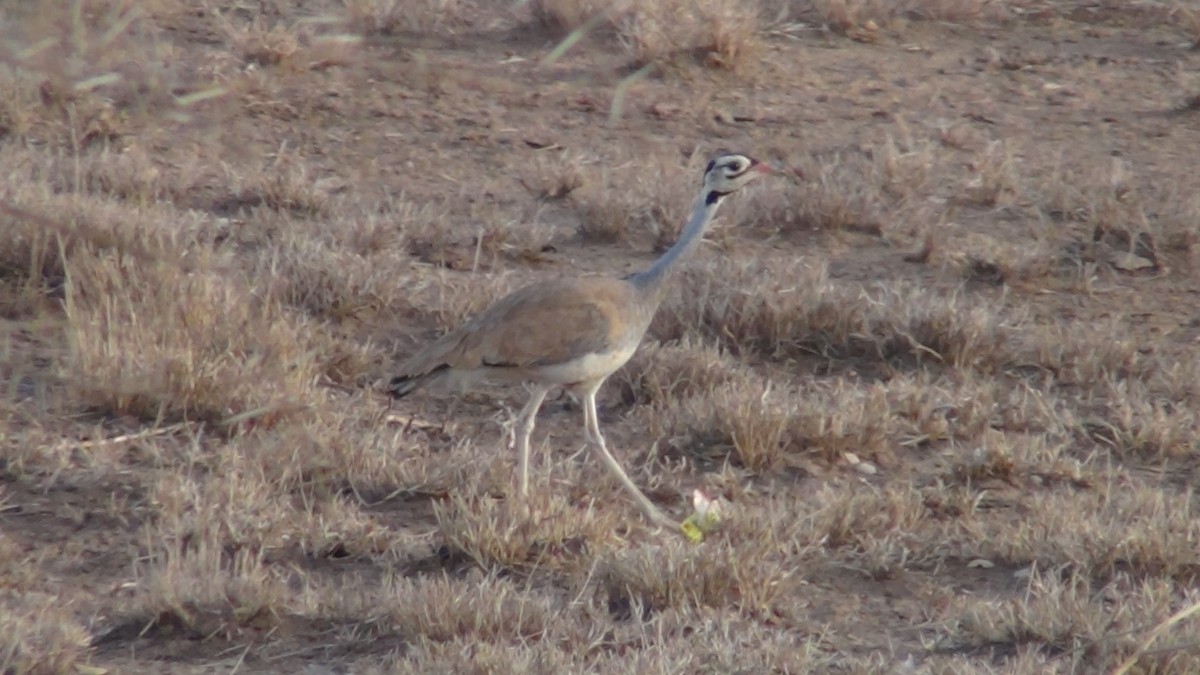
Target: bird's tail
point(403, 385)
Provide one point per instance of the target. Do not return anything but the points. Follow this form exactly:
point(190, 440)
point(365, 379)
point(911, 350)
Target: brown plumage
point(551, 323)
point(571, 332)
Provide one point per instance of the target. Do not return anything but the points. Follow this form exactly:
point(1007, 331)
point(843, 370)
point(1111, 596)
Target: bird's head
point(728, 172)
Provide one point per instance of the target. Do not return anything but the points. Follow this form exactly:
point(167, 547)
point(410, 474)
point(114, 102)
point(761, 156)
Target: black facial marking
point(711, 164)
point(714, 197)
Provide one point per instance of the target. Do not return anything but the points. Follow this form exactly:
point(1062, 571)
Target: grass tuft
point(396, 17)
point(676, 575)
point(487, 609)
point(38, 636)
point(765, 429)
point(564, 16)
point(157, 344)
point(763, 309)
point(200, 588)
point(542, 532)
point(718, 33)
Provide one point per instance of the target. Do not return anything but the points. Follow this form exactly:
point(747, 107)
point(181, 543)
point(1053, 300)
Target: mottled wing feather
point(550, 324)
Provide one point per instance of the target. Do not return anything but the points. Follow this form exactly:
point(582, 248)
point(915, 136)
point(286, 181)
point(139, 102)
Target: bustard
point(571, 332)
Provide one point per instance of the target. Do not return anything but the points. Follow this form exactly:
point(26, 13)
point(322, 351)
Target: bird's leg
point(525, 429)
point(592, 429)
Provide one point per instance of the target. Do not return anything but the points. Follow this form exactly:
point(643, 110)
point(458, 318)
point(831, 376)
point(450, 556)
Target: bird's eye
point(735, 167)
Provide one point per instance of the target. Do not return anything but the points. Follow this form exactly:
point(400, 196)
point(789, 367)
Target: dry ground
point(948, 380)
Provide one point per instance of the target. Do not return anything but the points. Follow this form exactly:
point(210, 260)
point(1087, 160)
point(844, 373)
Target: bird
point(571, 332)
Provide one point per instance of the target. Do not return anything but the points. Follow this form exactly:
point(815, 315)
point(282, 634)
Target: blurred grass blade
point(1154, 634)
point(572, 38)
point(320, 20)
point(618, 102)
point(97, 81)
point(280, 408)
point(36, 48)
point(119, 26)
point(198, 96)
point(339, 39)
point(78, 29)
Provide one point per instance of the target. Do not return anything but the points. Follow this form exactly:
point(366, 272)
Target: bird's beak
point(762, 167)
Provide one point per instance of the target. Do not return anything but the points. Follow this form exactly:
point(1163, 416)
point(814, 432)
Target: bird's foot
point(706, 517)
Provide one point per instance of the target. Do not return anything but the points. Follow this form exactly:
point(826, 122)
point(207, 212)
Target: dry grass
point(210, 351)
point(722, 34)
point(546, 533)
point(779, 312)
point(945, 376)
point(1064, 618)
point(208, 593)
point(839, 194)
point(564, 16)
point(41, 637)
point(394, 17)
point(1188, 19)
point(438, 610)
point(644, 580)
point(634, 200)
point(716, 33)
point(765, 429)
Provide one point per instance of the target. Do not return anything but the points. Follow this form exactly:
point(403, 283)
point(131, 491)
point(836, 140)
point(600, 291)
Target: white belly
point(587, 368)
point(583, 369)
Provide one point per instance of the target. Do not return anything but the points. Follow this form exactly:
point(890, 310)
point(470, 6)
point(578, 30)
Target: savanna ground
point(947, 379)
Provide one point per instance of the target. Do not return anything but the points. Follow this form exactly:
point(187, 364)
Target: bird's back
point(561, 331)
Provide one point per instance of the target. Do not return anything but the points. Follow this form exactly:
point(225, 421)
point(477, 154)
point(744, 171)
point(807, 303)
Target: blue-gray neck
point(652, 280)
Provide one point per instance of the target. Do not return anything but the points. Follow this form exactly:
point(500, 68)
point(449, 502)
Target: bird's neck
point(653, 279)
